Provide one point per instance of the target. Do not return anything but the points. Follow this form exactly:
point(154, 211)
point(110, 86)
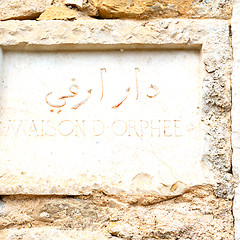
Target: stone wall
point(235, 112)
point(32, 9)
point(195, 215)
point(82, 208)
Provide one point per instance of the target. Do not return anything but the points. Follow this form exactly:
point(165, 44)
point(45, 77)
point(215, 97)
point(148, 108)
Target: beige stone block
point(236, 113)
point(197, 214)
point(164, 8)
point(58, 13)
point(22, 9)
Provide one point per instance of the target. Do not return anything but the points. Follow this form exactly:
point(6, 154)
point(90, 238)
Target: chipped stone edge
point(17, 11)
point(236, 113)
point(1, 72)
point(1, 66)
point(211, 37)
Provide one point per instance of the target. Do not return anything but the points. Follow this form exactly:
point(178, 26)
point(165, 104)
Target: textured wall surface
point(22, 9)
point(236, 111)
point(137, 9)
point(195, 215)
point(38, 208)
point(163, 8)
point(93, 209)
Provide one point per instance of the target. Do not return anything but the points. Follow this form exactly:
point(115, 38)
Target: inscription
point(95, 128)
point(60, 102)
point(105, 115)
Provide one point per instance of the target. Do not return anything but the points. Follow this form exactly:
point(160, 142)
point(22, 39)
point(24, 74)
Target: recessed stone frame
point(210, 37)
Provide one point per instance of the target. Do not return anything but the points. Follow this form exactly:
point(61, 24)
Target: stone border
point(236, 113)
point(211, 37)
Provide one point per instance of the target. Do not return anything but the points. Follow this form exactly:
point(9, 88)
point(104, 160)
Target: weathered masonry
point(119, 129)
point(235, 114)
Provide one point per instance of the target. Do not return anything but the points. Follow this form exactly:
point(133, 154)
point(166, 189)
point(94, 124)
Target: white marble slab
point(102, 117)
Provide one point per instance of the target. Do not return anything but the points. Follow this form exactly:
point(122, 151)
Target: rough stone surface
point(86, 9)
point(77, 3)
point(195, 215)
point(31, 9)
point(220, 9)
point(164, 8)
point(58, 13)
point(236, 112)
point(22, 9)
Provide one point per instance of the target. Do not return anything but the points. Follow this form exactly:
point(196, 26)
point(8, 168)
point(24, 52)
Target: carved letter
point(144, 125)
point(33, 129)
point(82, 129)
point(16, 131)
point(177, 126)
point(100, 129)
point(116, 125)
point(132, 125)
point(53, 128)
point(168, 128)
point(102, 70)
point(156, 128)
point(42, 128)
point(137, 70)
point(67, 131)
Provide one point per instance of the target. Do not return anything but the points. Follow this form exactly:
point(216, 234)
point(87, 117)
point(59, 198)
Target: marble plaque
point(102, 117)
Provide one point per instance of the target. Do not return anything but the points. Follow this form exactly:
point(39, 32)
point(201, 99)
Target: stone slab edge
point(211, 37)
point(236, 111)
point(27, 9)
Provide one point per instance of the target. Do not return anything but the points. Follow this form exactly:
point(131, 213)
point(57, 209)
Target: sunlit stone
point(102, 117)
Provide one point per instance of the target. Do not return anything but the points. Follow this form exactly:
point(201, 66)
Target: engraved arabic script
point(73, 91)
